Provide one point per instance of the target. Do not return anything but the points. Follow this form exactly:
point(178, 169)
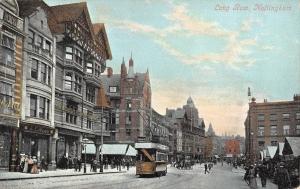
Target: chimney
point(109, 71)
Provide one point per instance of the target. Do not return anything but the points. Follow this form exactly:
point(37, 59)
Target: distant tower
point(130, 69)
point(123, 69)
point(210, 130)
point(190, 102)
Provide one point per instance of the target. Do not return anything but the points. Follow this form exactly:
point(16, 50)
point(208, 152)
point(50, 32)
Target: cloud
point(267, 47)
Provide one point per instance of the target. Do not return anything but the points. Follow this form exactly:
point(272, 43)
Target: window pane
point(33, 101)
point(34, 69)
point(42, 107)
point(69, 56)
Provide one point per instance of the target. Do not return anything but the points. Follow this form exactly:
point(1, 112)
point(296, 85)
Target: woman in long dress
point(34, 169)
point(25, 164)
point(253, 183)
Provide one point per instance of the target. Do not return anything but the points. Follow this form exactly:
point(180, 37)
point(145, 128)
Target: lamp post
point(251, 149)
point(84, 142)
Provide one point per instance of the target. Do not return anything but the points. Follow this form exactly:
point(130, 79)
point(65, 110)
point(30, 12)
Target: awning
point(271, 151)
point(90, 149)
point(294, 143)
point(131, 151)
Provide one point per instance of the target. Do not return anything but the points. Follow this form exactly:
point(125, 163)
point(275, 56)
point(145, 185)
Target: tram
point(152, 159)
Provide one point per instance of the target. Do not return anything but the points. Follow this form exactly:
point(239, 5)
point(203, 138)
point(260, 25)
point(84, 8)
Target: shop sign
point(10, 105)
point(8, 121)
point(38, 129)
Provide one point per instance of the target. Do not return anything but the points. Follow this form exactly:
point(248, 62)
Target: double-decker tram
point(152, 159)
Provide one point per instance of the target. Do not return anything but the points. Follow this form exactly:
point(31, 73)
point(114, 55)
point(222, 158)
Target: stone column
point(52, 151)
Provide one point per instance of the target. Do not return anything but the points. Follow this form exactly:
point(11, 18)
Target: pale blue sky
point(213, 55)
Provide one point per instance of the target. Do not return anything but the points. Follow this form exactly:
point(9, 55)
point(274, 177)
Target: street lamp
point(84, 142)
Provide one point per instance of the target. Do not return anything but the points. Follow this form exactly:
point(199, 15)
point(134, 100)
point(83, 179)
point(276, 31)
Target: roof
point(294, 143)
point(101, 98)
point(98, 28)
point(27, 7)
point(113, 80)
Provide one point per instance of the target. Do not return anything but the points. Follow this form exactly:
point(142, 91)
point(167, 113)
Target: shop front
point(8, 130)
point(35, 141)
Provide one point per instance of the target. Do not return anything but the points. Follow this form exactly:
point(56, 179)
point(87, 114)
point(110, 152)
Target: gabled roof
point(294, 143)
point(98, 28)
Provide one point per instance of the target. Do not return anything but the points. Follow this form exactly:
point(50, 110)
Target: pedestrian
point(34, 169)
point(25, 169)
point(263, 174)
point(205, 168)
point(95, 165)
point(44, 164)
point(283, 178)
point(127, 165)
point(79, 164)
point(75, 161)
point(30, 164)
point(252, 181)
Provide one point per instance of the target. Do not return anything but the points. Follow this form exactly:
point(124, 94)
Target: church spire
point(130, 69)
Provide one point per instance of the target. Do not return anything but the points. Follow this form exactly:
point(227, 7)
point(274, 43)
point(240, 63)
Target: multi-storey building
point(268, 123)
point(11, 62)
point(82, 49)
point(130, 100)
point(37, 123)
point(160, 130)
point(190, 130)
point(232, 148)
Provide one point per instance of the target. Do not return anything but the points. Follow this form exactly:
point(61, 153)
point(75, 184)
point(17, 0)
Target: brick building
point(232, 147)
point(129, 94)
point(268, 123)
point(11, 65)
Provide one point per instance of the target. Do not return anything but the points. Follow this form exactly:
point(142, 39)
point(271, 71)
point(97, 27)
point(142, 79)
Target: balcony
point(40, 51)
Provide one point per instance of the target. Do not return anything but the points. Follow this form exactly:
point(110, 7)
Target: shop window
point(33, 105)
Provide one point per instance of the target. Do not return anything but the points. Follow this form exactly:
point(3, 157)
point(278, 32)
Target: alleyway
point(219, 177)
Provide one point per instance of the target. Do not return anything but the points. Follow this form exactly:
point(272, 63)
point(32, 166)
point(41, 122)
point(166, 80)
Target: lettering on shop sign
point(10, 105)
point(38, 129)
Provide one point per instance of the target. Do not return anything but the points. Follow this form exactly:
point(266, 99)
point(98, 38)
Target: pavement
point(5, 176)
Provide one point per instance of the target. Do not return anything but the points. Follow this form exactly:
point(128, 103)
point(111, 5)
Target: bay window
point(43, 72)
point(69, 53)
point(34, 69)
point(89, 67)
point(33, 105)
point(90, 94)
point(68, 81)
point(42, 107)
point(77, 86)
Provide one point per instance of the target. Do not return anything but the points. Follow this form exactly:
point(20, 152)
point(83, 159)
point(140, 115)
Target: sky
point(209, 50)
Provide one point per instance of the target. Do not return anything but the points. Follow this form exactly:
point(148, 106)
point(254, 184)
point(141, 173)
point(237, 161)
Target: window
point(298, 129)
point(90, 94)
point(33, 105)
point(273, 130)
point(78, 56)
point(298, 115)
point(71, 112)
point(128, 118)
point(77, 86)
point(273, 117)
point(49, 75)
point(260, 117)
point(286, 129)
point(112, 89)
point(89, 67)
point(261, 130)
point(128, 132)
point(39, 41)
point(42, 107)
point(274, 143)
point(34, 69)
point(31, 37)
point(117, 118)
point(8, 53)
point(6, 94)
point(48, 109)
point(43, 72)
point(48, 46)
point(42, 24)
point(286, 116)
point(97, 70)
point(68, 81)
point(69, 53)
point(128, 105)
point(89, 121)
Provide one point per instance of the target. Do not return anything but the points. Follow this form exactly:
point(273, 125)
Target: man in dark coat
point(283, 178)
point(205, 167)
point(263, 175)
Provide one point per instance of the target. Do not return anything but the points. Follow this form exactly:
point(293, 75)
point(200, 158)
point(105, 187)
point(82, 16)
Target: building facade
point(232, 148)
point(37, 120)
point(11, 65)
point(268, 123)
point(129, 94)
